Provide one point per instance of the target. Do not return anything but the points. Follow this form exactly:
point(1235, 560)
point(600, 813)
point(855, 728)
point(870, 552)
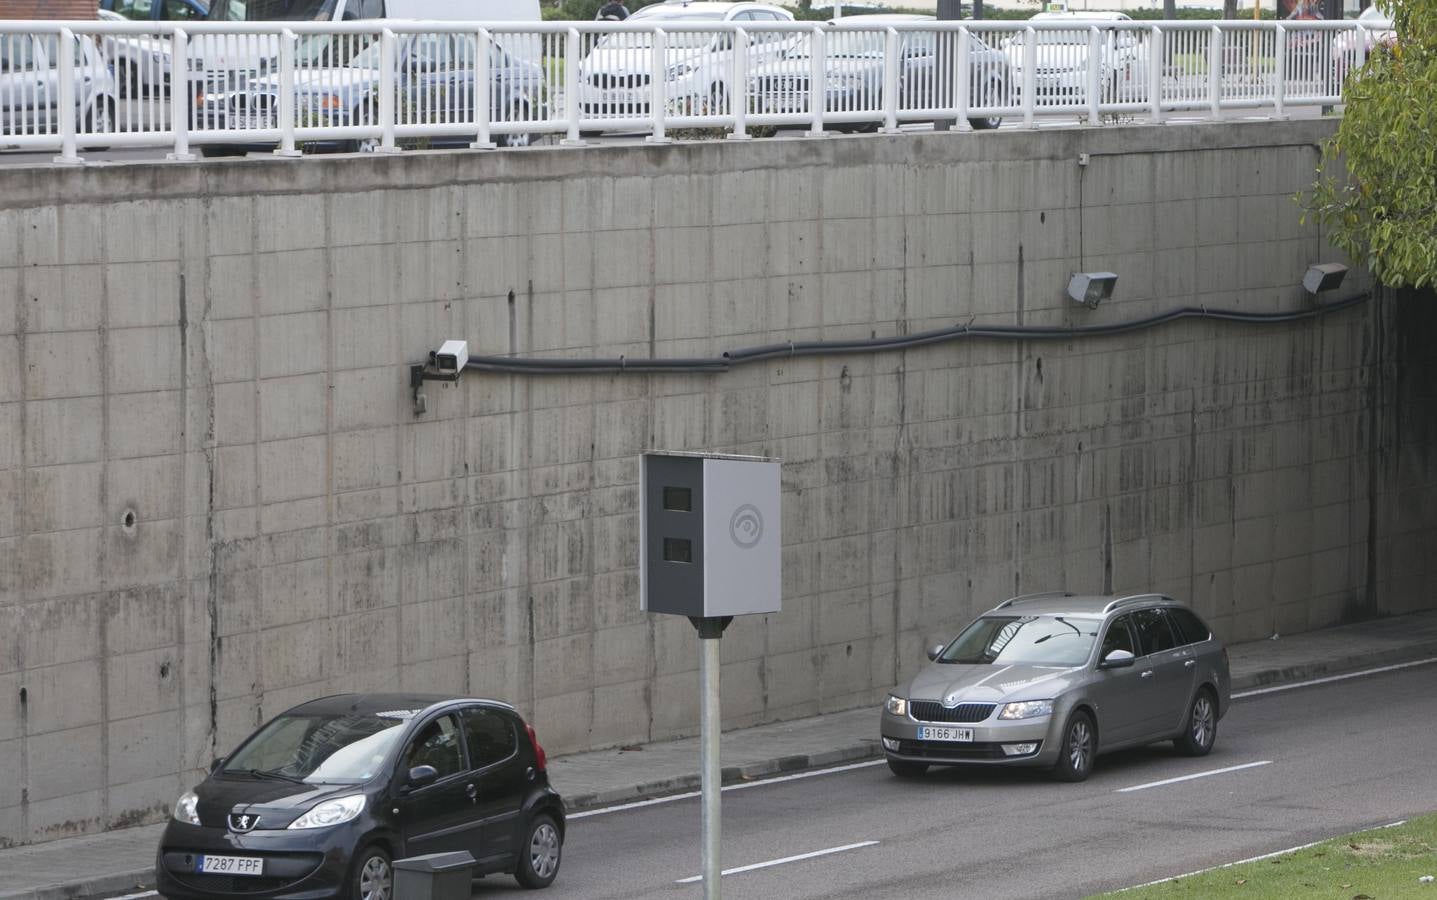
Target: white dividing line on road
point(1153, 784)
point(689, 795)
point(778, 862)
point(1250, 859)
point(136, 896)
point(1331, 678)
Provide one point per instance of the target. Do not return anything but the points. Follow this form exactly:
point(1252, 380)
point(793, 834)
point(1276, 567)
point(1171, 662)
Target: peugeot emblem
point(242, 822)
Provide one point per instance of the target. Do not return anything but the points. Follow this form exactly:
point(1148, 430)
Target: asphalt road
point(1338, 758)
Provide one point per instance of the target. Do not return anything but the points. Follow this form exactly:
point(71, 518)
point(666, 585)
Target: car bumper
point(298, 865)
point(990, 737)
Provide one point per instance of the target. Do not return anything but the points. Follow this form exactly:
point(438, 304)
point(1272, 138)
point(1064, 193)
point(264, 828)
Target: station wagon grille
point(933, 711)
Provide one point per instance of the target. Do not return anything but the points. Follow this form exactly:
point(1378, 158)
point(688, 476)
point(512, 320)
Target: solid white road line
point(1153, 784)
point(762, 782)
point(1248, 860)
point(136, 896)
point(787, 859)
point(1332, 678)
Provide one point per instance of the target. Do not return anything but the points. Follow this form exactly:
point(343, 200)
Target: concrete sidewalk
point(119, 862)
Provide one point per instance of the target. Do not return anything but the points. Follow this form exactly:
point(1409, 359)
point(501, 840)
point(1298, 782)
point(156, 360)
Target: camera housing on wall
point(451, 358)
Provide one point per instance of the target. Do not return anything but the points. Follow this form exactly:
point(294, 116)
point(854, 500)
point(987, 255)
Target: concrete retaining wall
point(216, 500)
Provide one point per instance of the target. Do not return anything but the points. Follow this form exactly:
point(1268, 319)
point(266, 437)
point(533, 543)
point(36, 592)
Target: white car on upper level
point(30, 101)
point(1060, 70)
point(615, 79)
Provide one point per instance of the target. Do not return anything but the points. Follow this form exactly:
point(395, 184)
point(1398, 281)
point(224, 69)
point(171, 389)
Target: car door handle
point(471, 790)
point(1190, 663)
point(1148, 674)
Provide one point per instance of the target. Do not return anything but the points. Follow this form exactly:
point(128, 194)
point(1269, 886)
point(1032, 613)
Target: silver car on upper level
point(1052, 680)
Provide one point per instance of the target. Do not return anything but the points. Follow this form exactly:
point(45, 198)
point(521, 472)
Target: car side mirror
point(419, 776)
point(216, 763)
point(934, 651)
point(1118, 659)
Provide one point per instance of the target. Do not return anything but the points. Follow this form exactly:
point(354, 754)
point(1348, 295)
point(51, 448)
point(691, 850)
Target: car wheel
point(716, 99)
point(905, 769)
point(1080, 744)
point(101, 120)
point(540, 853)
point(1201, 729)
point(995, 96)
point(521, 113)
point(373, 877)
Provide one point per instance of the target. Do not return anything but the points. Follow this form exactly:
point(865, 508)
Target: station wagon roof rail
point(1040, 595)
point(1132, 598)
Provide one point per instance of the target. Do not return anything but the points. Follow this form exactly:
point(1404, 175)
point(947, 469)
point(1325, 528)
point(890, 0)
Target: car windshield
point(848, 45)
point(272, 10)
point(1023, 641)
point(675, 38)
point(320, 749)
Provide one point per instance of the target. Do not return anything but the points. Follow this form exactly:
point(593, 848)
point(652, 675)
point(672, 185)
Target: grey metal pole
point(709, 765)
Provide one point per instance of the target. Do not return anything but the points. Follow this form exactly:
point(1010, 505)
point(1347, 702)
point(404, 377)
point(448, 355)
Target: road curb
point(1340, 666)
point(105, 885)
point(866, 749)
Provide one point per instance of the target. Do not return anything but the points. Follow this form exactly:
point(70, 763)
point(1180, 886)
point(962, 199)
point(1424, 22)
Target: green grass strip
point(1381, 864)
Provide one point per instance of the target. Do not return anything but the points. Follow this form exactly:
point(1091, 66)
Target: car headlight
point(187, 808)
point(1026, 709)
point(896, 705)
point(330, 812)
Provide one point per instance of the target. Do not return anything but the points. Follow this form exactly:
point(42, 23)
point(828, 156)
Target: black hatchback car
point(321, 800)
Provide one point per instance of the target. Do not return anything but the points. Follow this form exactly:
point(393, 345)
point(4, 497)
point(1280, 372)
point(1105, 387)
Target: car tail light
point(541, 761)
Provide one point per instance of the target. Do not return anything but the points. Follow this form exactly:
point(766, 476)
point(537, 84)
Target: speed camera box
point(711, 544)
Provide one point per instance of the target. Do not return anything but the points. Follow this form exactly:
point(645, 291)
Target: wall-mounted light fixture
point(1092, 288)
point(1323, 277)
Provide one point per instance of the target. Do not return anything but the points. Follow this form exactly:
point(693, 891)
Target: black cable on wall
point(512, 365)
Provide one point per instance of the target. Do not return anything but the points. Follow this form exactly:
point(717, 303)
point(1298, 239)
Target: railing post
point(388, 63)
point(1215, 52)
point(962, 79)
point(739, 95)
point(1156, 50)
point(890, 81)
point(573, 55)
point(182, 96)
point(483, 100)
point(817, 81)
point(1030, 76)
point(658, 87)
point(67, 106)
point(286, 95)
point(1095, 87)
point(1279, 87)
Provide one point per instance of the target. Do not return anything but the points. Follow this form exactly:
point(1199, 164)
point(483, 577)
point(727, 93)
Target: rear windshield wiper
point(267, 773)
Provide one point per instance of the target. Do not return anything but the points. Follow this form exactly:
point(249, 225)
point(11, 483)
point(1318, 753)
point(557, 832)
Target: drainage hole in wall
point(165, 669)
point(128, 520)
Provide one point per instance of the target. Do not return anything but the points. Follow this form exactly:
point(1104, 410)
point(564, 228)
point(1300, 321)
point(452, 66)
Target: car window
point(1154, 635)
point(180, 10)
point(437, 745)
point(490, 735)
point(1118, 638)
point(17, 53)
point(321, 748)
point(1191, 629)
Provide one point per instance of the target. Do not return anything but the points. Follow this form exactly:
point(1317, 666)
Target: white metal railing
point(375, 84)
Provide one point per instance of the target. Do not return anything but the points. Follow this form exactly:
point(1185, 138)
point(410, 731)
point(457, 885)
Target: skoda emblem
point(242, 822)
point(950, 702)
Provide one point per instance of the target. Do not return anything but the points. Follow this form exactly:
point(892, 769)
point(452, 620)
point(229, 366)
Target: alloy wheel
point(1080, 740)
point(544, 850)
point(1202, 729)
point(375, 880)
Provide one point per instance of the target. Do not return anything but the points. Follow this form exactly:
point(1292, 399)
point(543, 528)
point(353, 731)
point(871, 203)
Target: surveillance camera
point(1091, 288)
point(451, 358)
point(1323, 277)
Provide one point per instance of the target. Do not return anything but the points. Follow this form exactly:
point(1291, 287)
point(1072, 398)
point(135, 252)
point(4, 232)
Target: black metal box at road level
point(711, 541)
point(434, 876)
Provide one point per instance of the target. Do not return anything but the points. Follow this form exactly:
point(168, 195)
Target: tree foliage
point(1377, 183)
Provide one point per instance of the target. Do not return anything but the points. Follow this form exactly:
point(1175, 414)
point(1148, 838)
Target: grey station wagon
point(1051, 680)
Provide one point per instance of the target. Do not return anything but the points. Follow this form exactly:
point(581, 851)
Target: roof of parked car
point(369, 704)
point(880, 18)
point(680, 7)
point(1055, 603)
